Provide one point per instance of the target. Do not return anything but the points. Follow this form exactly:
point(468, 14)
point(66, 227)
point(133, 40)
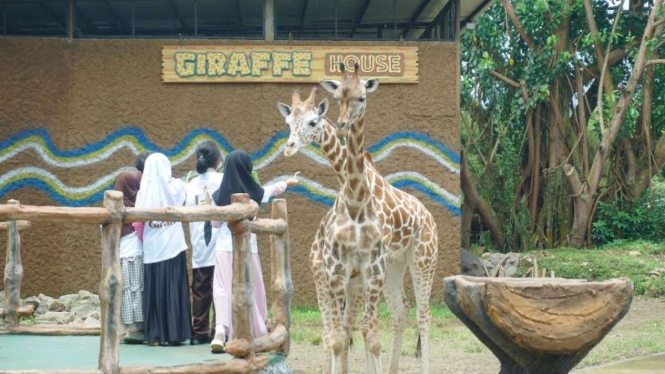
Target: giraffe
point(351, 256)
point(308, 124)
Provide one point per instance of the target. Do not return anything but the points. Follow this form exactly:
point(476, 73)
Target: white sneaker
point(217, 344)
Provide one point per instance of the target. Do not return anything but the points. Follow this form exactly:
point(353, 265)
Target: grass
point(644, 340)
point(307, 328)
point(609, 261)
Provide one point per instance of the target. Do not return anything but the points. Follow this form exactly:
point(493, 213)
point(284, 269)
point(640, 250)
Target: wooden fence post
point(280, 268)
point(243, 293)
point(13, 274)
point(110, 288)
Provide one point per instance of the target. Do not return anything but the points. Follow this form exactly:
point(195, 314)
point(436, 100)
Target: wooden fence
point(112, 216)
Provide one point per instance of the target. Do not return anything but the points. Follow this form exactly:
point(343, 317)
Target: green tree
point(544, 140)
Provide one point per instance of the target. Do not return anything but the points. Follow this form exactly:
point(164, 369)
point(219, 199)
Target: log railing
point(112, 216)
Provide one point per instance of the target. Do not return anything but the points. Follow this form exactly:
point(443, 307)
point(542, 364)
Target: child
point(131, 258)
point(238, 179)
point(199, 192)
point(166, 307)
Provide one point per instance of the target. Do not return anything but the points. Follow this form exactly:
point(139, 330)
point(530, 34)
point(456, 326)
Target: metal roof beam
point(52, 14)
point(360, 17)
point(419, 11)
point(116, 17)
point(305, 4)
point(177, 15)
point(239, 12)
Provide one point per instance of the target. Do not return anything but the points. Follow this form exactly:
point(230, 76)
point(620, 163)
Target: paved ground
point(81, 352)
point(653, 364)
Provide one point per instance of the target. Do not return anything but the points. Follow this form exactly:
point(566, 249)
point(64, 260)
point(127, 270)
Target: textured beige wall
point(80, 92)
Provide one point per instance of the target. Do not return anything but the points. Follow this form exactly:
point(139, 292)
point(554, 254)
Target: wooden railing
point(112, 216)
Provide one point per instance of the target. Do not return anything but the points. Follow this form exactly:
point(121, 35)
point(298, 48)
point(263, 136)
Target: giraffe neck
point(335, 151)
point(357, 188)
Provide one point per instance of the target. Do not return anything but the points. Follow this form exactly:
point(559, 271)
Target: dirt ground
point(453, 349)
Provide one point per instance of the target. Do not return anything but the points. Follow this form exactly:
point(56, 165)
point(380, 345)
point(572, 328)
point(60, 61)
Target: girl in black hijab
point(238, 179)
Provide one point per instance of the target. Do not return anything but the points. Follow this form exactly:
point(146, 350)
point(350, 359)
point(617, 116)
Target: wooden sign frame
point(285, 64)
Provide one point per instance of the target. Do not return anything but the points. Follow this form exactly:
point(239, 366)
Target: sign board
point(286, 64)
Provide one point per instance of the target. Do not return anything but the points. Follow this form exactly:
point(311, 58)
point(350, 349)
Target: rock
point(77, 321)
point(485, 255)
point(2, 295)
point(511, 264)
point(85, 295)
point(83, 310)
point(59, 318)
point(33, 300)
point(2, 313)
point(470, 264)
point(26, 310)
point(58, 307)
point(94, 300)
point(96, 315)
point(634, 253)
point(42, 309)
point(91, 321)
point(45, 300)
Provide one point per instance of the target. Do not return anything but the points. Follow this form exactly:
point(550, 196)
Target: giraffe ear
point(284, 109)
point(371, 84)
point(323, 107)
point(329, 85)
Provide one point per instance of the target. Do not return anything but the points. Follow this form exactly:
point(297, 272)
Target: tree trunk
point(467, 218)
point(481, 205)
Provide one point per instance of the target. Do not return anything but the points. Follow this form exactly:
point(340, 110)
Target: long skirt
point(131, 305)
point(166, 306)
point(222, 294)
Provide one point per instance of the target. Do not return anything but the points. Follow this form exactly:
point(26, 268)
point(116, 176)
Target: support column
point(70, 19)
point(13, 274)
point(243, 292)
point(269, 21)
point(110, 288)
point(280, 269)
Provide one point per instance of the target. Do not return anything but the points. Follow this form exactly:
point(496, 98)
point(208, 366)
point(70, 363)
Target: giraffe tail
point(419, 347)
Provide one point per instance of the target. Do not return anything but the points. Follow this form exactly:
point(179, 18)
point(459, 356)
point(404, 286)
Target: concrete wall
point(65, 106)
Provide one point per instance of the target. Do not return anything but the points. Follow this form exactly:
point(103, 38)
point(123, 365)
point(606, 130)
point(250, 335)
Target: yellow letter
point(184, 64)
point(334, 61)
point(280, 62)
point(301, 63)
point(238, 64)
point(200, 64)
point(381, 66)
point(259, 62)
point(216, 61)
point(394, 64)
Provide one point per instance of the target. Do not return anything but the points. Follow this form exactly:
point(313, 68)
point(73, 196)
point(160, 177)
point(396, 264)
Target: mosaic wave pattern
point(135, 140)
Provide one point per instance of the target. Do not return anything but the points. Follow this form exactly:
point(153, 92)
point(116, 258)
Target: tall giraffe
point(351, 255)
point(308, 124)
point(409, 229)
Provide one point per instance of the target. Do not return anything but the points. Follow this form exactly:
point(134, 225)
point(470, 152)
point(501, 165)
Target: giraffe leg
point(394, 293)
point(423, 267)
point(322, 295)
point(337, 282)
point(354, 297)
point(374, 278)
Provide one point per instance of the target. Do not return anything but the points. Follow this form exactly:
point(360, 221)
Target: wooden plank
point(286, 63)
point(233, 212)
point(13, 274)
point(53, 214)
point(110, 288)
point(267, 343)
point(243, 293)
point(280, 269)
point(57, 330)
point(267, 226)
point(234, 366)
point(20, 225)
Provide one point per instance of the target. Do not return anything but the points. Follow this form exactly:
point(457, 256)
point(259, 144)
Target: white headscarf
point(158, 187)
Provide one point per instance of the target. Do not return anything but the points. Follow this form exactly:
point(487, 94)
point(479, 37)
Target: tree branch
point(654, 62)
point(608, 86)
point(505, 79)
point(481, 205)
point(510, 12)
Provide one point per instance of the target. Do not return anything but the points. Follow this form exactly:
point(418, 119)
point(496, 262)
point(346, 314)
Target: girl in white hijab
point(166, 303)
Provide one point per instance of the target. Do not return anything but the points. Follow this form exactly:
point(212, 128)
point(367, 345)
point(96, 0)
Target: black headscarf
point(238, 179)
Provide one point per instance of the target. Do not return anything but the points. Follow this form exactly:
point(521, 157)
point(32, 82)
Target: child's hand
point(292, 182)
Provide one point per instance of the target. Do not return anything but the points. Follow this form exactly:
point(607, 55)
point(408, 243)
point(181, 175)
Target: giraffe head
point(351, 95)
point(305, 120)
